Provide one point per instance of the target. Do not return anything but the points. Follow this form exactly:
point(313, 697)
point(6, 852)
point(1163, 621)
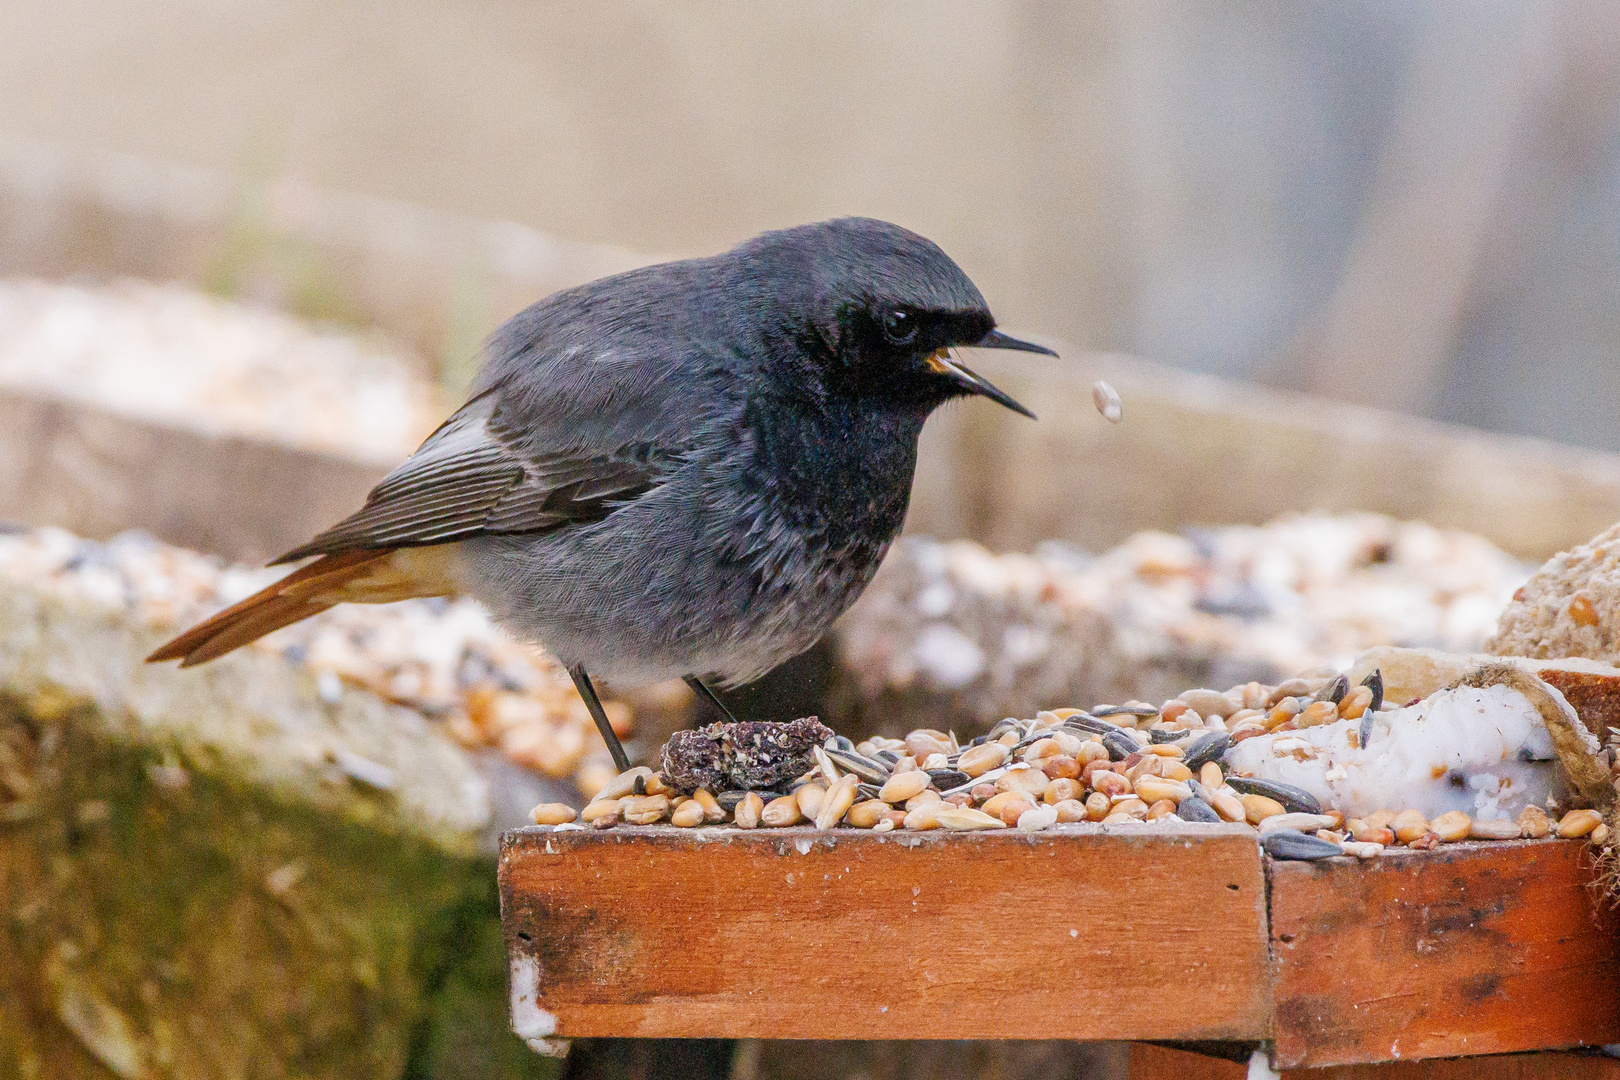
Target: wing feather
point(469, 479)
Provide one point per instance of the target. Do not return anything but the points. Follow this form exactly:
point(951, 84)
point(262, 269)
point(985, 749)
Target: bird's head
point(880, 309)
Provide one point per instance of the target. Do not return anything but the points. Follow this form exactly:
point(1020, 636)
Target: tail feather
point(372, 577)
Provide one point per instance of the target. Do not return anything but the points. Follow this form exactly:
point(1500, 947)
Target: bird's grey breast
point(815, 509)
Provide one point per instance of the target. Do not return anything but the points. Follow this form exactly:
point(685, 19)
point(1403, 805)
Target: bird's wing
point(587, 400)
point(481, 474)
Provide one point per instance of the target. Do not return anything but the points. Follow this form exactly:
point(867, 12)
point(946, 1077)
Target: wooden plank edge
point(1518, 952)
point(582, 988)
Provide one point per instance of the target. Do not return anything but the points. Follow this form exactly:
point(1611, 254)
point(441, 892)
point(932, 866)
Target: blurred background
point(1407, 204)
point(1353, 265)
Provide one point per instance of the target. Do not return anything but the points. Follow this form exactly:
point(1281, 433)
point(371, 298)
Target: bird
point(686, 470)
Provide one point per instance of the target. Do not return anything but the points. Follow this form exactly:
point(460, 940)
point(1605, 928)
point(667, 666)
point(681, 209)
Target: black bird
point(686, 470)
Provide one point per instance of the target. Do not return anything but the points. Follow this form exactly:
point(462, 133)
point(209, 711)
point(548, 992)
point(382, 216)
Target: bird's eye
point(899, 327)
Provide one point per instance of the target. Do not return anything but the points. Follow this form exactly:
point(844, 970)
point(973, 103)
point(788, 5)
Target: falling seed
point(1106, 398)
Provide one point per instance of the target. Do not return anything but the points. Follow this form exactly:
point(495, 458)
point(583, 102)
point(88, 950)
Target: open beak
point(941, 362)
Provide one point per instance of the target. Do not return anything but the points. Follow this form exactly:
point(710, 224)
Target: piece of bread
point(1592, 687)
point(1569, 607)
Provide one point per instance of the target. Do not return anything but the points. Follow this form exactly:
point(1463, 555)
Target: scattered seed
point(809, 799)
point(903, 785)
point(1409, 825)
point(866, 815)
point(925, 816)
point(1206, 750)
point(1335, 690)
point(981, 759)
point(1037, 818)
point(959, 819)
point(1306, 823)
point(1193, 808)
point(1294, 800)
point(1533, 823)
point(839, 798)
point(1451, 826)
point(781, 812)
point(625, 783)
point(1106, 398)
point(1293, 844)
point(1227, 805)
point(552, 813)
point(598, 808)
point(644, 809)
point(1578, 823)
point(749, 809)
point(1355, 703)
point(1256, 808)
point(1500, 829)
point(1070, 810)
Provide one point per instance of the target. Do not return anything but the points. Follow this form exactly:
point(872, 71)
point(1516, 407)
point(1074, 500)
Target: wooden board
point(1468, 949)
point(1162, 1063)
point(1084, 932)
point(1077, 933)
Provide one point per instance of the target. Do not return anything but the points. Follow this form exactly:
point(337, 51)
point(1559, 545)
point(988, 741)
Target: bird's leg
point(582, 683)
point(709, 695)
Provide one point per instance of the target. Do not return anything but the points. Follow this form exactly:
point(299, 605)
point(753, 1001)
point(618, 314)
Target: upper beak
point(945, 364)
point(995, 339)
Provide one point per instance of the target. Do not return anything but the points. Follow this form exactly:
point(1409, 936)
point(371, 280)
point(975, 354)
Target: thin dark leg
point(708, 695)
point(582, 683)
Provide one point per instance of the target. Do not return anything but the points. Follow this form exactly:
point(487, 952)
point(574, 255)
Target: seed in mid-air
point(1106, 398)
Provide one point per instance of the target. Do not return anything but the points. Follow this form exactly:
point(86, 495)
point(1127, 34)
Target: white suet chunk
point(1485, 752)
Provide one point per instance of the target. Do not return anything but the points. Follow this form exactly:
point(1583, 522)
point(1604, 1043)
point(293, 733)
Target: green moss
point(162, 921)
point(254, 255)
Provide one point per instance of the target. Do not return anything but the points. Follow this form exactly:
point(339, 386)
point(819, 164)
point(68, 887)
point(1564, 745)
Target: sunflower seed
point(1293, 844)
point(1294, 800)
point(1335, 690)
point(1120, 746)
point(1193, 808)
point(1206, 748)
point(849, 761)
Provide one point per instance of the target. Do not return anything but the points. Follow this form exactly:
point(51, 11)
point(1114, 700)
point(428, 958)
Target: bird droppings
point(1284, 760)
point(530, 1022)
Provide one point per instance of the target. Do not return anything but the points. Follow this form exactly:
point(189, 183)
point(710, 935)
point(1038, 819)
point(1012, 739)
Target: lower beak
point(943, 363)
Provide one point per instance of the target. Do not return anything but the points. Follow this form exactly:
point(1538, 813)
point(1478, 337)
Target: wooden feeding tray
point(1087, 932)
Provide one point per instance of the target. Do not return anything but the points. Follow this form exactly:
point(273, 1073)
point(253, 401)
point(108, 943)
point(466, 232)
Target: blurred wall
point(1407, 204)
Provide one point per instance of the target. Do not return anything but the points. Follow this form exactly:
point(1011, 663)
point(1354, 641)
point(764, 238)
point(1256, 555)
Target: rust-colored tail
point(364, 577)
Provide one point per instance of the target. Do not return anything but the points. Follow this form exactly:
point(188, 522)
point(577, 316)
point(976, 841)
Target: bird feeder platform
point(1180, 935)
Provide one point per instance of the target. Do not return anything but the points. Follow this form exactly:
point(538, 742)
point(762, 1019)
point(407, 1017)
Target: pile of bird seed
point(446, 660)
point(1113, 764)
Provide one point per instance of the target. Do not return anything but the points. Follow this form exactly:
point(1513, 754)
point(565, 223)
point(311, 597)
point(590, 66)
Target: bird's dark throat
point(842, 468)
